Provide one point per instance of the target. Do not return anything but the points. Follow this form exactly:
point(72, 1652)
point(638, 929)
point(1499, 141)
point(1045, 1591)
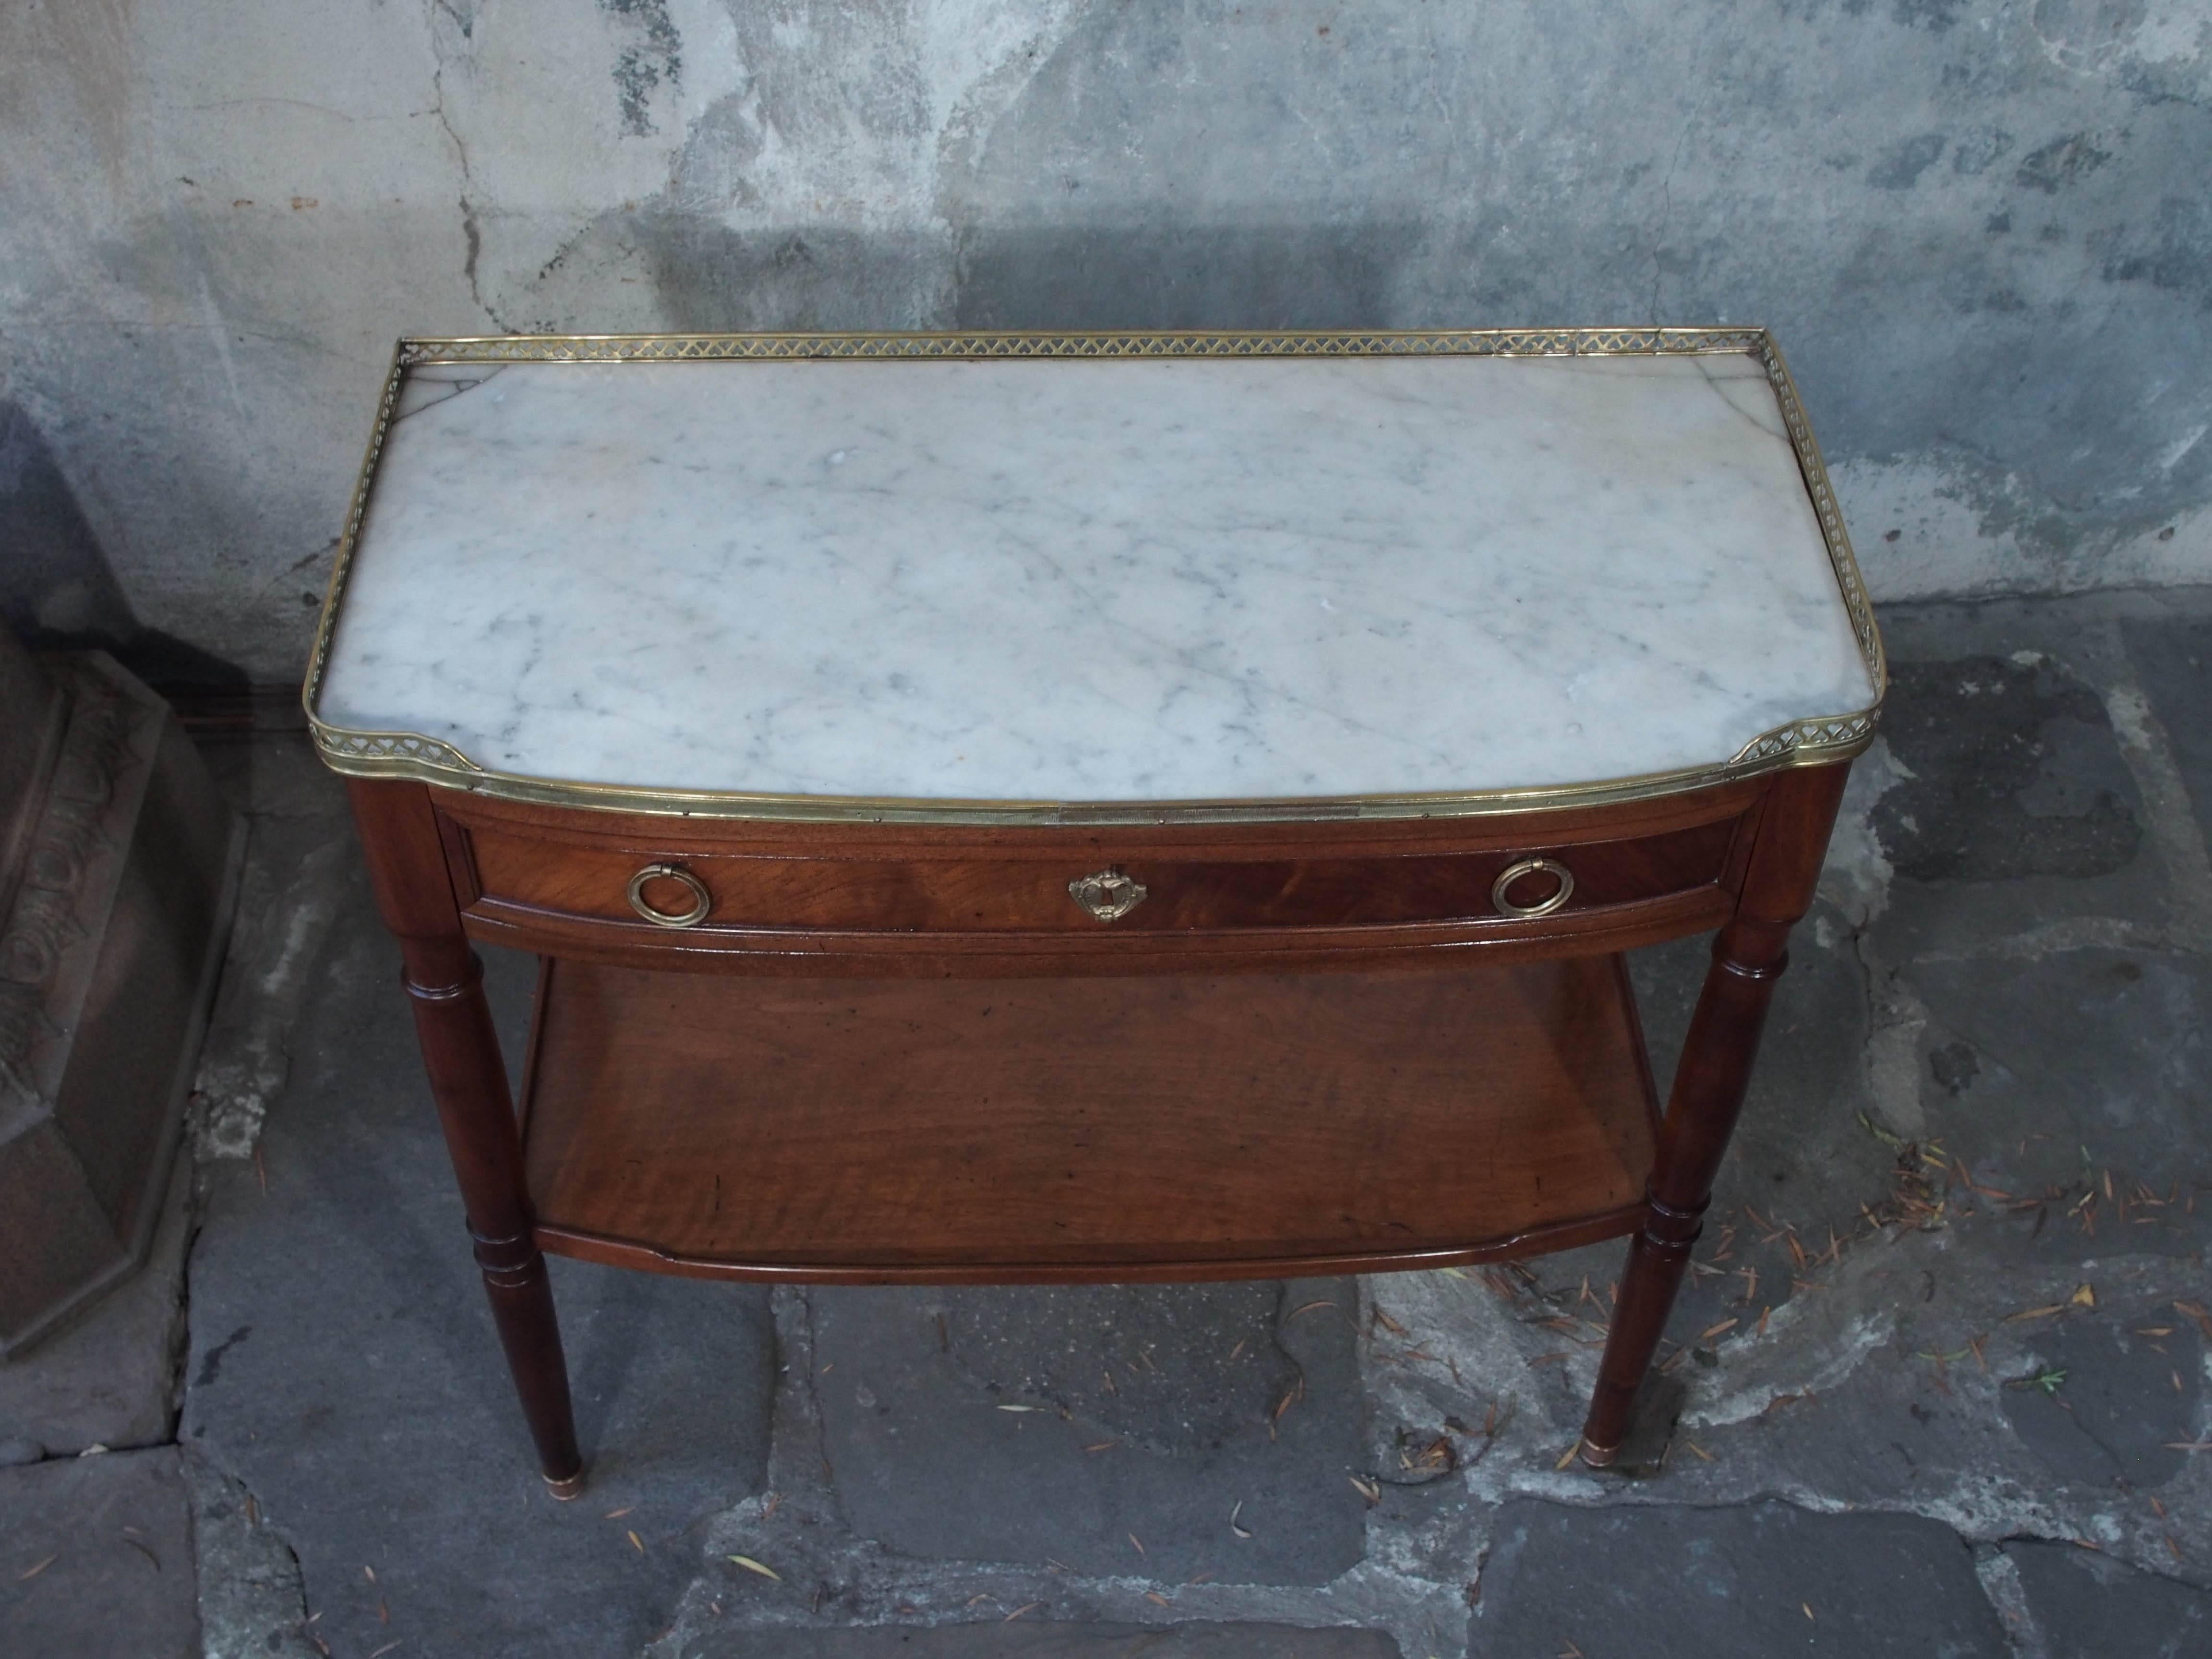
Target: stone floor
point(1939, 1383)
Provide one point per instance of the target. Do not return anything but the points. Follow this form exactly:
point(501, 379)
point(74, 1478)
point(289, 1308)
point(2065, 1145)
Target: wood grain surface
point(894, 899)
point(1070, 1128)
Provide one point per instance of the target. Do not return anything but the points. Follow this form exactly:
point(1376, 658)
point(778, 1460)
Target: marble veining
point(1092, 581)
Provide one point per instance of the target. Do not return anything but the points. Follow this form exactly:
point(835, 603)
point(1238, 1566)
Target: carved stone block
point(118, 867)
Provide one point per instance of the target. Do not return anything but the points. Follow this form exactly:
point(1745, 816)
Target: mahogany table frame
point(419, 802)
point(1791, 813)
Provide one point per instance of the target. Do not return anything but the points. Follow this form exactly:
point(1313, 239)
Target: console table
point(1054, 807)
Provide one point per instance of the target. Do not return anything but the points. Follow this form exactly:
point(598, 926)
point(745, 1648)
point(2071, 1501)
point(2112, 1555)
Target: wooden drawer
point(592, 880)
point(1032, 894)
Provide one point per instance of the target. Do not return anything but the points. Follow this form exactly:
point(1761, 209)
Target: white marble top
point(1083, 581)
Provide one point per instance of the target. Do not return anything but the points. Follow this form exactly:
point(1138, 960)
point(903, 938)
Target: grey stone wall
point(1982, 231)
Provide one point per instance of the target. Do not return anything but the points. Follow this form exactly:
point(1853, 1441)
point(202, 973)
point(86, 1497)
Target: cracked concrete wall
point(1981, 230)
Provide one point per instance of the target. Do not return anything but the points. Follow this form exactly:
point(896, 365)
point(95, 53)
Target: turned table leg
point(1748, 958)
point(468, 1080)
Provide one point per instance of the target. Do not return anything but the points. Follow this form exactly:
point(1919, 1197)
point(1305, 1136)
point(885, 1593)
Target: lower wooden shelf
point(1102, 1128)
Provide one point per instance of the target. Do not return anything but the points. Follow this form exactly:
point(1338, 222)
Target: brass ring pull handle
point(1108, 895)
point(676, 873)
point(1542, 907)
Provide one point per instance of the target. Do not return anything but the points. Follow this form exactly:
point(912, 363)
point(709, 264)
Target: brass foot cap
point(565, 1490)
point(1599, 1457)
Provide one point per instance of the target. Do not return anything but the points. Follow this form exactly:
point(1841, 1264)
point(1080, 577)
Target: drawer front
point(1125, 890)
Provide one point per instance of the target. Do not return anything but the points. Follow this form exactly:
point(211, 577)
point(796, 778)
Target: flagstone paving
point(1937, 1383)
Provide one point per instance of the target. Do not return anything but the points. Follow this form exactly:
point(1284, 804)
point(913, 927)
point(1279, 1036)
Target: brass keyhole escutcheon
point(682, 877)
point(1108, 895)
point(1542, 907)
